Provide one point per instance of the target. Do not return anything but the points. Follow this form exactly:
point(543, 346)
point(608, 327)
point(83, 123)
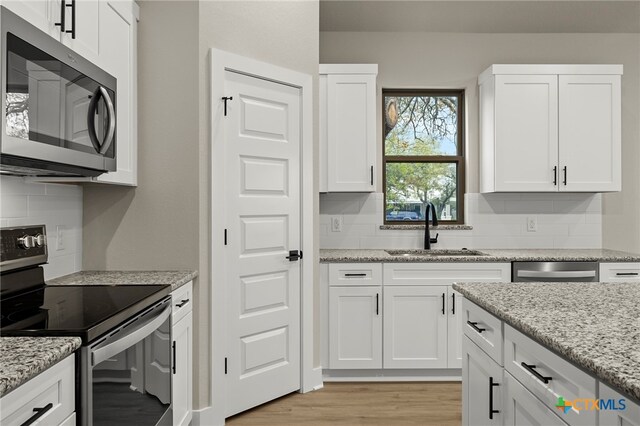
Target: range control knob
point(39, 240)
point(26, 242)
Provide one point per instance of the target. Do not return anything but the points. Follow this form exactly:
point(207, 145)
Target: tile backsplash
point(55, 205)
point(498, 221)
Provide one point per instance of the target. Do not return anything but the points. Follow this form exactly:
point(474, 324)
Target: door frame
point(310, 377)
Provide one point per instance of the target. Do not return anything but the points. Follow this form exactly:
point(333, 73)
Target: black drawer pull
point(626, 274)
point(175, 359)
point(474, 325)
point(377, 304)
point(453, 303)
point(39, 412)
point(491, 410)
point(355, 275)
point(531, 369)
point(182, 303)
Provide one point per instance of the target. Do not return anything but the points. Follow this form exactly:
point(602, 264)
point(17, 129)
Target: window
point(423, 157)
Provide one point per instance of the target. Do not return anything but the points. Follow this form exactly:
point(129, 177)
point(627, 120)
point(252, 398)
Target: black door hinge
point(225, 237)
point(225, 365)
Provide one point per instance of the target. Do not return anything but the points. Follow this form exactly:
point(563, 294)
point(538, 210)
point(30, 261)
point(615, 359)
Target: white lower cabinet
point(182, 345)
point(454, 329)
point(415, 327)
point(522, 408)
point(621, 412)
point(355, 327)
point(50, 396)
point(482, 387)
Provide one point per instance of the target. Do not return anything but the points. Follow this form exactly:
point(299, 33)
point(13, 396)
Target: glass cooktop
point(83, 311)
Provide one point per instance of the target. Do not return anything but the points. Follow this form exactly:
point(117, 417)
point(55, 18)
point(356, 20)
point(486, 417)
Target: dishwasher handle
point(525, 273)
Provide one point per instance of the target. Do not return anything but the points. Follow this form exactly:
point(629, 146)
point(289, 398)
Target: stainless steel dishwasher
point(554, 271)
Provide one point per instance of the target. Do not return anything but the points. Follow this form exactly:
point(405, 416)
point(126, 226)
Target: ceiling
point(478, 16)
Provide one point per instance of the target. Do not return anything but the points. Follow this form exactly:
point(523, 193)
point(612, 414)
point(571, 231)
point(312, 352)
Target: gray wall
point(454, 60)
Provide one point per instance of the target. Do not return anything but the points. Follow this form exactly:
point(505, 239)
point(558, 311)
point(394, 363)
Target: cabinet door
point(415, 327)
point(355, 327)
point(454, 329)
point(522, 408)
point(351, 132)
point(41, 13)
point(117, 56)
point(181, 385)
point(86, 28)
point(526, 132)
point(590, 133)
point(481, 387)
point(617, 414)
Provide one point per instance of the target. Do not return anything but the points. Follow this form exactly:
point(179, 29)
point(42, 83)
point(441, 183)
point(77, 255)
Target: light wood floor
point(407, 403)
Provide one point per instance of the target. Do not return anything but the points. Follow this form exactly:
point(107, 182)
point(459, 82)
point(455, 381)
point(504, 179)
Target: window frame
point(459, 159)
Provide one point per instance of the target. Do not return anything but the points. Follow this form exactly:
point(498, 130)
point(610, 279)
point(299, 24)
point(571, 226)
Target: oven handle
point(101, 92)
point(138, 334)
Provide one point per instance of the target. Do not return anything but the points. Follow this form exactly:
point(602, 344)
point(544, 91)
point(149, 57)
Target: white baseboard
point(426, 375)
point(202, 418)
point(317, 382)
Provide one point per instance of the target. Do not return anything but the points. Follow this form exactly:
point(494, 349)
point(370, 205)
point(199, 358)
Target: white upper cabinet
point(550, 128)
point(81, 30)
point(348, 127)
point(43, 14)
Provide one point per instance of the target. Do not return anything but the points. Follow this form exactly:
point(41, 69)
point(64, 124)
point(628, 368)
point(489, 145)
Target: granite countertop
point(596, 326)
point(23, 358)
point(175, 278)
point(490, 255)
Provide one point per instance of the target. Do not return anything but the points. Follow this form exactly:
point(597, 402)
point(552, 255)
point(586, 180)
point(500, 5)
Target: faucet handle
point(434, 240)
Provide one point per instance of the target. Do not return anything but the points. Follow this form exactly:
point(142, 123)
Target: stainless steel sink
point(429, 253)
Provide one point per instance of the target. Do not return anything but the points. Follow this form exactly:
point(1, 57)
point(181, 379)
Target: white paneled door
point(262, 181)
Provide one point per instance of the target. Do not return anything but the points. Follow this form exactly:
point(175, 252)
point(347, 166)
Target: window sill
point(413, 227)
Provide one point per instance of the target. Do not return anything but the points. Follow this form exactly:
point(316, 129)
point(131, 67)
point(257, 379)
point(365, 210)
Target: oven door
point(126, 377)
point(57, 107)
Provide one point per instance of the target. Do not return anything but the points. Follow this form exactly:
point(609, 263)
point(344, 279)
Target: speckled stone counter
point(23, 358)
point(490, 255)
point(175, 278)
point(596, 326)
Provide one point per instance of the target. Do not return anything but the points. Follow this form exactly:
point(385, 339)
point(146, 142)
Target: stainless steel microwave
point(59, 109)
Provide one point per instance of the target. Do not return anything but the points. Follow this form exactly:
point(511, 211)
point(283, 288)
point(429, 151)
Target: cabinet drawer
point(52, 390)
point(182, 301)
point(483, 328)
point(623, 272)
point(522, 408)
point(437, 273)
point(533, 365)
point(355, 274)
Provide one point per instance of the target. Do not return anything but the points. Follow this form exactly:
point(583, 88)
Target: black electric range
point(126, 351)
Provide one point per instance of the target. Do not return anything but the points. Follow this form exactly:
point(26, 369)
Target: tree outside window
point(423, 154)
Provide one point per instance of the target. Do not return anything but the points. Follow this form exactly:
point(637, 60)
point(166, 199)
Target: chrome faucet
point(434, 217)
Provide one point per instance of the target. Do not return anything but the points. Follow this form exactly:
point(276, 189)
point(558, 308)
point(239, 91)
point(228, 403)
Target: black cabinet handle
point(555, 175)
point(453, 303)
point(173, 349)
point(377, 304)
point(73, 19)
point(294, 255)
point(626, 274)
point(531, 369)
point(61, 24)
point(371, 175)
point(564, 169)
point(182, 303)
point(491, 410)
point(355, 275)
point(39, 412)
point(474, 325)
point(443, 302)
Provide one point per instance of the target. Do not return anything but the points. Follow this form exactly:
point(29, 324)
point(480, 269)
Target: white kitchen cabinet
point(415, 327)
point(87, 23)
point(455, 330)
point(52, 391)
point(118, 52)
point(348, 127)
point(620, 271)
point(43, 14)
point(182, 345)
point(355, 327)
point(550, 128)
point(522, 408)
point(616, 415)
point(482, 384)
